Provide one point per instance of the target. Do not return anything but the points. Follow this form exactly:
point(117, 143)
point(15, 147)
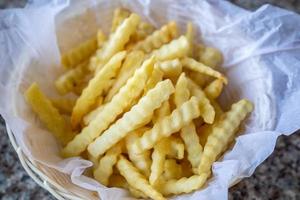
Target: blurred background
point(277, 178)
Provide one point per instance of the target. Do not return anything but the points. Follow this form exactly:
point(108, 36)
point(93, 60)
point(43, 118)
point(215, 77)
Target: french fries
point(147, 113)
point(48, 114)
point(139, 115)
point(95, 88)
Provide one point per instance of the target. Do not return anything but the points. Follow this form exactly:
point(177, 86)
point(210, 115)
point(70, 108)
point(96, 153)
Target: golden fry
point(183, 185)
point(95, 88)
point(64, 106)
point(158, 38)
point(211, 57)
point(80, 53)
point(193, 65)
point(133, 60)
point(177, 48)
point(214, 89)
point(179, 118)
point(120, 15)
point(137, 180)
point(172, 170)
point(105, 168)
point(141, 161)
point(48, 114)
point(222, 132)
point(139, 115)
point(190, 34)
point(171, 68)
point(68, 81)
point(133, 88)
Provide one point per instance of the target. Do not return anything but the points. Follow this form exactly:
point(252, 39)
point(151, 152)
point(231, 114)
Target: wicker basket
point(50, 179)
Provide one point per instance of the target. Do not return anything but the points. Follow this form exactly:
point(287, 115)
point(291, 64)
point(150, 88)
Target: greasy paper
point(261, 60)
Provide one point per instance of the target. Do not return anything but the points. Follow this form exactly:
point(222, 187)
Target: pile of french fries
point(146, 111)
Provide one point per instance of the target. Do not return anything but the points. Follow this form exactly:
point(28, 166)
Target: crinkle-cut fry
point(99, 101)
point(144, 29)
point(137, 180)
point(94, 160)
point(95, 88)
point(198, 49)
point(108, 85)
point(158, 38)
point(188, 133)
point(172, 170)
point(70, 79)
point(158, 161)
point(192, 144)
point(161, 112)
point(48, 114)
point(80, 53)
point(92, 115)
point(116, 41)
point(100, 38)
point(80, 86)
point(131, 90)
point(116, 180)
point(204, 130)
point(170, 124)
point(199, 79)
point(119, 16)
point(156, 76)
point(171, 68)
point(141, 161)
point(182, 93)
point(196, 66)
point(207, 110)
point(222, 133)
point(190, 34)
point(63, 105)
point(105, 167)
point(214, 89)
point(170, 146)
point(183, 185)
point(177, 48)
point(133, 60)
point(211, 57)
point(139, 115)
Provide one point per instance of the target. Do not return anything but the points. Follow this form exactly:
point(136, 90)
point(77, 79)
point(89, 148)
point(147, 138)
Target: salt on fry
point(222, 133)
point(48, 114)
point(172, 123)
point(137, 180)
point(95, 88)
point(111, 110)
point(138, 116)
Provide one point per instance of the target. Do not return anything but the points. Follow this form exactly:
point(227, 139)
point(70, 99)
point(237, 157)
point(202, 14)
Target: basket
point(50, 179)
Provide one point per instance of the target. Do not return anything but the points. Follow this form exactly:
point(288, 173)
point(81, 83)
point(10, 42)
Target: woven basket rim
point(37, 175)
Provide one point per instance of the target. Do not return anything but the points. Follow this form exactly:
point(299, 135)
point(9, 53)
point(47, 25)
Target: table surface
point(277, 178)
